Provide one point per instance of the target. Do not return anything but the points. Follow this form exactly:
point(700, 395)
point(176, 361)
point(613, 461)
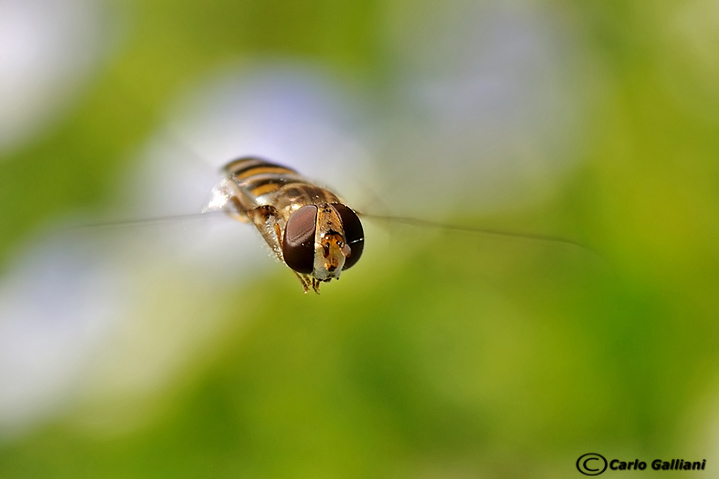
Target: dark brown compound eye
point(298, 243)
point(354, 234)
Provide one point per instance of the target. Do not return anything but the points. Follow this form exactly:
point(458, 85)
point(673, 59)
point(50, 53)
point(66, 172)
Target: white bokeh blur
point(48, 51)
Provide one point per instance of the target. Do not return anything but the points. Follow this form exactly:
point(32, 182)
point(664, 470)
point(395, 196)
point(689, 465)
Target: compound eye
point(298, 243)
point(354, 234)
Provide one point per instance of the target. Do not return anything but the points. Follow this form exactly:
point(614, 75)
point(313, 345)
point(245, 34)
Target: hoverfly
point(307, 227)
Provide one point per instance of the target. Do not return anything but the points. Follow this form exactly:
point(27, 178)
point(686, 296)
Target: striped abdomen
point(261, 182)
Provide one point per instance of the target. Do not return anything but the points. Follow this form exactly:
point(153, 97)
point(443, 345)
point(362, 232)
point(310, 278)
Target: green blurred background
point(441, 354)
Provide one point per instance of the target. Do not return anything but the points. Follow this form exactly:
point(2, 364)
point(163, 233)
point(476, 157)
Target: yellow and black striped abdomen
point(257, 177)
point(247, 167)
point(262, 181)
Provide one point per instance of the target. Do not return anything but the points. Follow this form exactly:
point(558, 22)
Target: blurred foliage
point(512, 367)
